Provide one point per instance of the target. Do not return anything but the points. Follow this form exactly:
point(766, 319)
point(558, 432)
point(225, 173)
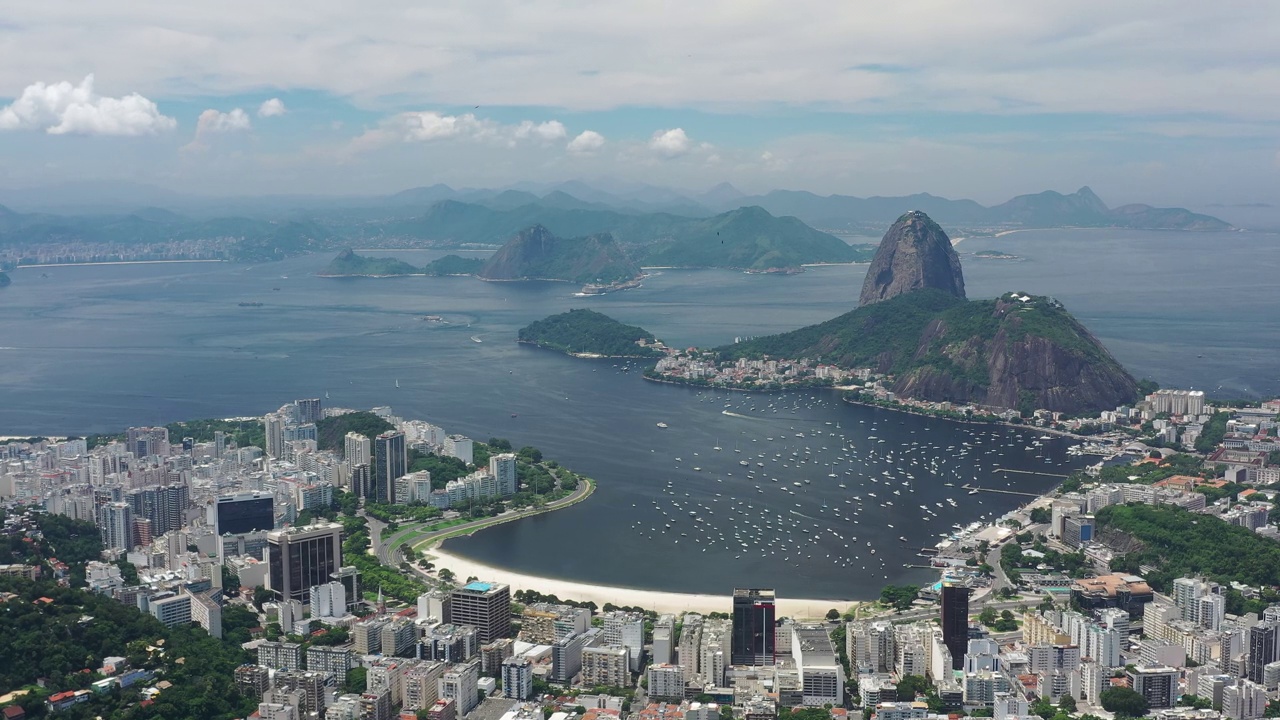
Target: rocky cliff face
point(1017, 351)
point(915, 254)
point(1034, 354)
point(537, 254)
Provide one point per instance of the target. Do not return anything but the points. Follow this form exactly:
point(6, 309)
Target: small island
point(349, 264)
point(589, 334)
point(995, 255)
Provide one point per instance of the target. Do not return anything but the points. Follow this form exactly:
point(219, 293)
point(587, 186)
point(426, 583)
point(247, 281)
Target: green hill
point(1006, 352)
point(747, 238)
point(1181, 543)
point(587, 331)
point(453, 265)
point(347, 263)
point(537, 254)
point(331, 432)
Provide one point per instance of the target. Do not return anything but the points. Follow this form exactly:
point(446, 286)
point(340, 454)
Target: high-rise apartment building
point(362, 481)
point(300, 558)
point(273, 429)
point(503, 469)
point(753, 627)
point(390, 462)
point(484, 606)
point(147, 441)
point(356, 449)
point(955, 622)
point(1264, 647)
point(517, 678)
point(115, 525)
point(310, 410)
point(164, 506)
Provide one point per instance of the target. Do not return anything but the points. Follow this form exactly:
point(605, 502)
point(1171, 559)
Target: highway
point(386, 548)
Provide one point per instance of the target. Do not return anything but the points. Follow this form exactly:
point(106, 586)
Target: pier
point(1029, 472)
point(967, 486)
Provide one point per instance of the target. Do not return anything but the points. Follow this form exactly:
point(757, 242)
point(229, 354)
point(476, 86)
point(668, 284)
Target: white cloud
point(983, 56)
point(548, 131)
point(432, 126)
point(271, 108)
point(64, 109)
point(588, 141)
point(214, 121)
point(670, 143)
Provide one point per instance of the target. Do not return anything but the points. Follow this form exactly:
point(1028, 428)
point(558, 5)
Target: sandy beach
point(662, 602)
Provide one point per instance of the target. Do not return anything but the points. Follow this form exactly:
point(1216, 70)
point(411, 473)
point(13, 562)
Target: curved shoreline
point(657, 600)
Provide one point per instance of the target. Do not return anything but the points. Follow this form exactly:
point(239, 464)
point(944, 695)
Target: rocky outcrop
point(537, 254)
point(1017, 351)
point(915, 254)
point(1038, 356)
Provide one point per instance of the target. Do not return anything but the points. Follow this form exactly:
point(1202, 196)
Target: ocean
point(100, 348)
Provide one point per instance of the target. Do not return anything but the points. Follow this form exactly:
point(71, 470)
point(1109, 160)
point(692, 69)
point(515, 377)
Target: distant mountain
point(914, 254)
point(1042, 210)
point(722, 194)
point(748, 238)
point(537, 254)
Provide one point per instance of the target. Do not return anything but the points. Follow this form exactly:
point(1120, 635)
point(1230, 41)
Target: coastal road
point(386, 547)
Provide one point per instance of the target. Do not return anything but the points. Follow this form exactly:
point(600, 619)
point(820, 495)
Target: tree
point(1067, 703)
point(356, 680)
point(1043, 708)
point(1195, 701)
point(899, 596)
point(911, 686)
point(1123, 700)
point(1040, 515)
point(833, 614)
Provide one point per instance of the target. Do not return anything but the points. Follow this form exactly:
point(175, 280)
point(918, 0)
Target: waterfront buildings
point(753, 626)
point(955, 621)
point(485, 606)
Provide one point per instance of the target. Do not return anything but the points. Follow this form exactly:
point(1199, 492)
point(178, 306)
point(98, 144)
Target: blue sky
point(1164, 102)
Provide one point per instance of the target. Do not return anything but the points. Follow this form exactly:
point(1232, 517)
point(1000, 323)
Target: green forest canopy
point(1182, 543)
point(587, 331)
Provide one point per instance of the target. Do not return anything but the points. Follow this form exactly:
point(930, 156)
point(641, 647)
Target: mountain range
point(775, 230)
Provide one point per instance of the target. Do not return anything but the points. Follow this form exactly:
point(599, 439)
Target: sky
point(1171, 102)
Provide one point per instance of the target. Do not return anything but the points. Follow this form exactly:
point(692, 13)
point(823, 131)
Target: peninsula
point(589, 334)
point(916, 336)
